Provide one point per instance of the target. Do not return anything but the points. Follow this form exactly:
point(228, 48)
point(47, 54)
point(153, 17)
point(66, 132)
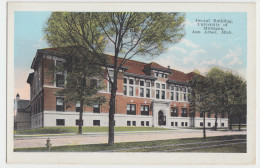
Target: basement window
point(96, 122)
point(60, 122)
point(77, 122)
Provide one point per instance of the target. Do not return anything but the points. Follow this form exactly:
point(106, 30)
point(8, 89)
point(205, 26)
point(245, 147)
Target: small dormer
point(156, 70)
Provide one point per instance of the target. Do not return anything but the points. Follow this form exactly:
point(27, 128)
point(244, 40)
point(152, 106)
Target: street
point(101, 137)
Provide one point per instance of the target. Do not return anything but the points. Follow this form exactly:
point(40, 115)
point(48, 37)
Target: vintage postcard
point(160, 83)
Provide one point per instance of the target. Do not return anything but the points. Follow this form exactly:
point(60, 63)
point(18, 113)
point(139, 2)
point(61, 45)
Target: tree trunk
point(204, 125)
point(111, 119)
point(80, 117)
point(112, 108)
point(230, 122)
point(239, 122)
point(216, 121)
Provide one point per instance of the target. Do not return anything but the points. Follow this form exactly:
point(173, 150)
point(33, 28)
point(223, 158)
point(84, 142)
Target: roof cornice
point(139, 76)
point(177, 82)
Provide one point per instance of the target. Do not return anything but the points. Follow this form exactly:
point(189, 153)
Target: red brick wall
point(48, 76)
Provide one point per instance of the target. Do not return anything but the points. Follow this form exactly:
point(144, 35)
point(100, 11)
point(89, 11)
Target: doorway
point(161, 118)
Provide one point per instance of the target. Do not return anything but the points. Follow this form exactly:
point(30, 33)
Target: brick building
point(148, 95)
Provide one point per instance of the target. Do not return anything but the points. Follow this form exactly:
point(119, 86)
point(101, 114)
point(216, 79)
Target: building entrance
point(161, 118)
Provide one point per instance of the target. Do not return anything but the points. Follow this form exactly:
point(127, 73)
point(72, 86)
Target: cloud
point(198, 51)
point(186, 60)
point(174, 62)
point(40, 44)
point(189, 43)
point(174, 48)
point(231, 58)
point(216, 45)
point(210, 62)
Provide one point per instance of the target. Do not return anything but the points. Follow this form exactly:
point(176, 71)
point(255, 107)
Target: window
point(184, 112)
point(60, 80)
point(96, 108)
point(147, 123)
point(174, 112)
point(60, 122)
point(131, 109)
point(209, 124)
point(157, 94)
point(163, 94)
point(189, 90)
point(96, 122)
point(141, 92)
point(142, 123)
point(156, 73)
point(222, 124)
point(144, 89)
point(157, 85)
point(176, 88)
point(131, 91)
point(111, 73)
point(184, 89)
point(186, 124)
point(128, 123)
point(172, 87)
point(141, 83)
point(184, 97)
point(125, 90)
point(160, 75)
point(125, 80)
point(77, 122)
point(172, 124)
point(134, 123)
point(144, 110)
point(182, 124)
point(131, 81)
point(163, 86)
point(201, 124)
point(148, 93)
point(78, 106)
point(59, 104)
point(148, 84)
point(176, 124)
point(172, 95)
point(177, 96)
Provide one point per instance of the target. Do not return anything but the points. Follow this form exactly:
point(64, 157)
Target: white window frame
point(161, 90)
point(59, 73)
point(144, 87)
point(128, 86)
point(177, 92)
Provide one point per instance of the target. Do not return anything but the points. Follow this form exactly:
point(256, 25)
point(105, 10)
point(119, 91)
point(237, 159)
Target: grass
point(61, 130)
point(151, 146)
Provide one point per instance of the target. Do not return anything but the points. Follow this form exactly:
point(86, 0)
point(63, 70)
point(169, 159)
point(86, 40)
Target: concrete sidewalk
point(96, 138)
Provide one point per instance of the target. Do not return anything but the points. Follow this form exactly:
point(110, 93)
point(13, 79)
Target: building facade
point(148, 95)
point(22, 114)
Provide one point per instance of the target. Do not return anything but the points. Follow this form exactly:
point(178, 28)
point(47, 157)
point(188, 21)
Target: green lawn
point(154, 146)
point(61, 130)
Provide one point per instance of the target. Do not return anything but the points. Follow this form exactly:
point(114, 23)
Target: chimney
point(169, 67)
point(17, 96)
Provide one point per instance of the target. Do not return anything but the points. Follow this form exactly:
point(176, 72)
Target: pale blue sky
point(195, 51)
